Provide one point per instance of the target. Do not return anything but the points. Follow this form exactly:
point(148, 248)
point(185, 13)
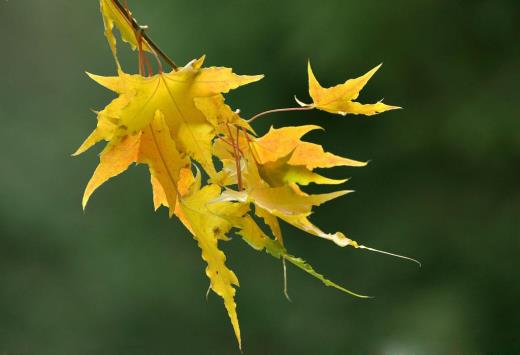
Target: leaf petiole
point(288, 109)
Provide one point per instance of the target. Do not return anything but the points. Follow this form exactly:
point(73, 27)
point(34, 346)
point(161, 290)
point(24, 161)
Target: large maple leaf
point(171, 97)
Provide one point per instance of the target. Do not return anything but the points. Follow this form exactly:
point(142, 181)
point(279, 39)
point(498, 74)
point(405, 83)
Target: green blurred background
point(443, 184)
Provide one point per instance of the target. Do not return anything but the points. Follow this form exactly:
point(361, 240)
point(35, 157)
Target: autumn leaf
point(291, 205)
point(340, 98)
point(278, 143)
point(283, 158)
point(208, 228)
point(171, 96)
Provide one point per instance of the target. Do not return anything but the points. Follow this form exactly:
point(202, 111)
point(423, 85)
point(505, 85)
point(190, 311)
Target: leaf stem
point(236, 154)
point(149, 41)
point(288, 109)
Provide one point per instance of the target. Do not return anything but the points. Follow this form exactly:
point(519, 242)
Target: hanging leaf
point(340, 98)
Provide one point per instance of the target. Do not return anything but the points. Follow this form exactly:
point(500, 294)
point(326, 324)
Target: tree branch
point(145, 36)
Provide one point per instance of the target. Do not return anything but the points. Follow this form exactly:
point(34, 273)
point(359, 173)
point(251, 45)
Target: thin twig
point(149, 41)
point(306, 108)
point(237, 158)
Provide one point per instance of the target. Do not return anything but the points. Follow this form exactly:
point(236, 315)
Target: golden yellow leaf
point(294, 206)
point(283, 158)
point(340, 98)
point(281, 142)
point(173, 95)
point(289, 204)
point(280, 173)
point(291, 200)
point(208, 228)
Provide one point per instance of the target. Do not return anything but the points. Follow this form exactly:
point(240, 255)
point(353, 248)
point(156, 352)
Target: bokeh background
point(443, 185)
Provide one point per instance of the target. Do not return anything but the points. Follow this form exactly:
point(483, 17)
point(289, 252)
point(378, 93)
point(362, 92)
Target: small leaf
point(281, 142)
point(340, 98)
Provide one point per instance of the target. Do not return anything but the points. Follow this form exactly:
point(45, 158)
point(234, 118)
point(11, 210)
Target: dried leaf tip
point(357, 246)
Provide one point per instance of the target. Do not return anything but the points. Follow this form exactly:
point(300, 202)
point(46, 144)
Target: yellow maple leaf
point(281, 142)
point(208, 227)
point(340, 98)
point(283, 158)
point(291, 205)
point(173, 94)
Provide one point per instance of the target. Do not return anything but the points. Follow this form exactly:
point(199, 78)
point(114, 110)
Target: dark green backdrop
point(443, 184)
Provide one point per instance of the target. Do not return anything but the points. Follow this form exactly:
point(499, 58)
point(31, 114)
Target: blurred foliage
point(443, 184)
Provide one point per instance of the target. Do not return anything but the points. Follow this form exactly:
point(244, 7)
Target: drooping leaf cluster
point(178, 124)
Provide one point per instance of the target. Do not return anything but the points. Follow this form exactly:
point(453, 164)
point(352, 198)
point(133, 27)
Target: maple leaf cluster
point(178, 124)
